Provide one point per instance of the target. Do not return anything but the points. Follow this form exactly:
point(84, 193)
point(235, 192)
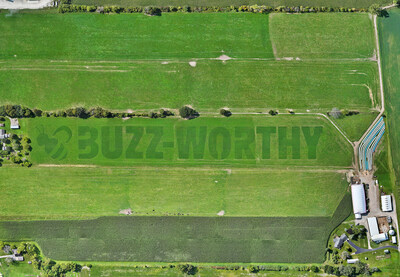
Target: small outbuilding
point(386, 202)
point(394, 240)
point(14, 124)
point(358, 198)
point(352, 261)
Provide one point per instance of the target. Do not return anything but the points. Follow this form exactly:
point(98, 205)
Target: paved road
point(360, 250)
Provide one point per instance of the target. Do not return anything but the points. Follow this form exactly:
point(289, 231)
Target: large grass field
point(108, 60)
point(79, 193)
point(243, 141)
point(279, 179)
point(251, 85)
point(170, 239)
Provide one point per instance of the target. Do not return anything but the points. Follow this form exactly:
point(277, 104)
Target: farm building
point(352, 261)
point(358, 198)
point(373, 226)
point(386, 202)
point(394, 240)
point(380, 237)
point(339, 241)
point(14, 123)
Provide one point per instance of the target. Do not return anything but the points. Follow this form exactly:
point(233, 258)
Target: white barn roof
point(358, 197)
point(386, 201)
point(380, 237)
point(373, 226)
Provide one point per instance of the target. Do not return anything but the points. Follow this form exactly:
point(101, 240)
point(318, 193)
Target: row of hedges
point(66, 7)
point(17, 111)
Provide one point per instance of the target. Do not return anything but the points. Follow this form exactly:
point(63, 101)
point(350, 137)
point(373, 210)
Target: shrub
point(314, 268)
point(187, 112)
point(375, 9)
point(225, 112)
point(152, 11)
point(272, 112)
point(187, 269)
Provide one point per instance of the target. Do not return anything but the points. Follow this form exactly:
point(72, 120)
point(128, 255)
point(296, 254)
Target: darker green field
point(227, 3)
point(174, 239)
point(389, 30)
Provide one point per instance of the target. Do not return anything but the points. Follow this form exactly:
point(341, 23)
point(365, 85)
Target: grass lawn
point(76, 193)
point(36, 36)
point(316, 35)
point(226, 142)
point(182, 238)
point(226, 3)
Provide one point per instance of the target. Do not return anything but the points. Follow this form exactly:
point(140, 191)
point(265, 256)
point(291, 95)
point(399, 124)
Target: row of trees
point(66, 7)
point(17, 111)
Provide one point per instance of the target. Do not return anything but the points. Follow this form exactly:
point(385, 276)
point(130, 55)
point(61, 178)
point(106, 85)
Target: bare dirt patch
point(126, 211)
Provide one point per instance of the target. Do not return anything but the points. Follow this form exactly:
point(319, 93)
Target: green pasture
point(314, 36)
point(227, 3)
point(238, 84)
point(389, 31)
point(227, 142)
point(182, 238)
point(79, 193)
point(88, 37)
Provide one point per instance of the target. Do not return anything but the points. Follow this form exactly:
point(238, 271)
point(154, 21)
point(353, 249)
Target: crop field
point(390, 41)
point(247, 188)
point(168, 239)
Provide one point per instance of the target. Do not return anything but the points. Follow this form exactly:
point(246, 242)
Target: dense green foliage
point(226, 3)
point(196, 239)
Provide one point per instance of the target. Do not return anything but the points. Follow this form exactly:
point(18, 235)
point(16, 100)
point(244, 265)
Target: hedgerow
point(67, 7)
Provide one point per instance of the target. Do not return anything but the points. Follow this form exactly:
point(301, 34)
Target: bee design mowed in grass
point(54, 144)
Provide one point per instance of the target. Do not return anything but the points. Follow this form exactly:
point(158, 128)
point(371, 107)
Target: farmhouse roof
point(14, 123)
point(338, 241)
point(386, 201)
point(358, 198)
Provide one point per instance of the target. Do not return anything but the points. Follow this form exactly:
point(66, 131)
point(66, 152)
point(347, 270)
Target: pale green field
point(76, 193)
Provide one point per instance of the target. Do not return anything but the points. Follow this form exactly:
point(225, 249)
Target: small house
point(394, 240)
point(14, 123)
point(339, 241)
